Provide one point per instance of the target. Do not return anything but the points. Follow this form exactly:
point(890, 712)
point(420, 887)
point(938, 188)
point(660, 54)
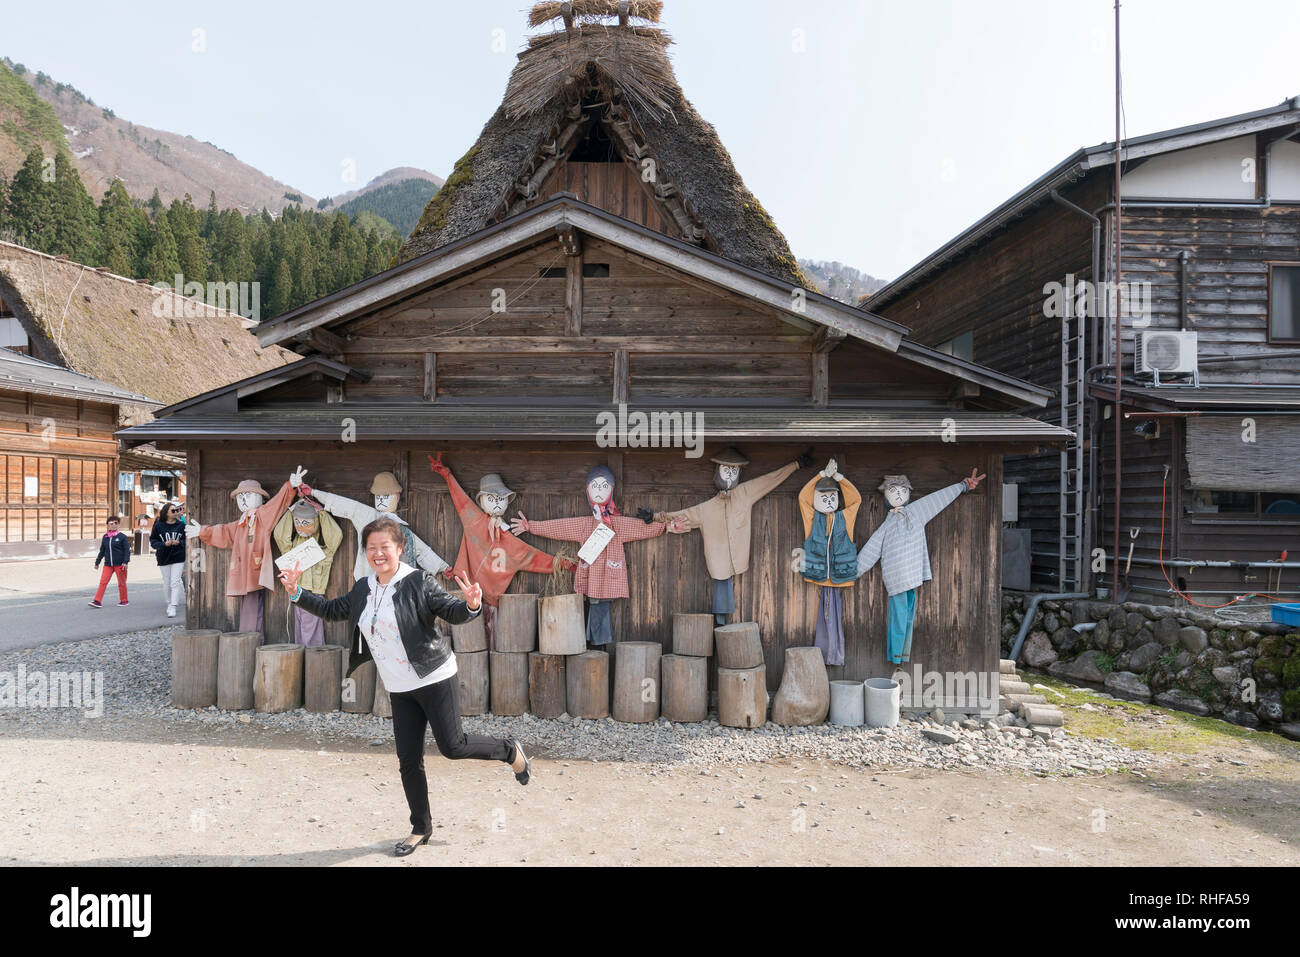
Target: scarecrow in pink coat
point(252, 571)
point(604, 578)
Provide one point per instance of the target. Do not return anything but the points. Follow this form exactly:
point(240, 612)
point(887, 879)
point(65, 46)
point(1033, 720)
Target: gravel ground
point(136, 671)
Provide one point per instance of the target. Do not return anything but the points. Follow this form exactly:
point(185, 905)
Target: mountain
point(397, 197)
point(396, 175)
point(839, 281)
point(103, 146)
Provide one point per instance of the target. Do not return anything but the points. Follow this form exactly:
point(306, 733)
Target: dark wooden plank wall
point(614, 187)
point(956, 629)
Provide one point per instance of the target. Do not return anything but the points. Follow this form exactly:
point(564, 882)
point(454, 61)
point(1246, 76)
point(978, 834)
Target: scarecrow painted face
point(727, 477)
point(248, 501)
point(305, 527)
point(599, 490)
point(493, 504)
point(897, 495)
point(387, 503)
point(826, 501)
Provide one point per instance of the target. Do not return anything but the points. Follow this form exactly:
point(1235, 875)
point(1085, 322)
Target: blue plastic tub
point(1287, 614)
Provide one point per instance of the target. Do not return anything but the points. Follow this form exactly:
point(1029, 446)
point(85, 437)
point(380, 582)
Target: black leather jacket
point(418, 602)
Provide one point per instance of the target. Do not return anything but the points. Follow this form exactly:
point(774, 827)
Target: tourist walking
point(167, 539)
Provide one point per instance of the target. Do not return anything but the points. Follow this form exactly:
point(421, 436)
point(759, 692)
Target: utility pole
point(1119, 322)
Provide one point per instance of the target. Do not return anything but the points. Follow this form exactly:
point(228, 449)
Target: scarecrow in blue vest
point(829, 555)
point(900, 547)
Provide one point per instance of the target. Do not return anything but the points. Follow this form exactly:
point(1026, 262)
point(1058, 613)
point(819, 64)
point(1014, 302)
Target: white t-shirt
point(379, 625)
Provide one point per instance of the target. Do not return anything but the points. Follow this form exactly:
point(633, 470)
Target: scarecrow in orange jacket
point(489, 553)
point(830, 558)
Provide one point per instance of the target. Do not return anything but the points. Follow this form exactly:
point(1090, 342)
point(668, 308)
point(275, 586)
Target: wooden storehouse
point(550, 284)
point(1210, 397)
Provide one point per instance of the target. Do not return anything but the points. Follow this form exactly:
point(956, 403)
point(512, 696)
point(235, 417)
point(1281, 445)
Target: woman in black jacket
point(392, 616)
point(167, 539)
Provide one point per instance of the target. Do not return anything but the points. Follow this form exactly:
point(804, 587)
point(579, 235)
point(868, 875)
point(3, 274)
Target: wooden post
point(738, 645)
point(561, 629)
point(685, 687)
point(277, 683)
point(382, 707)
point(359, 689)
point(431, 377)
point(620, 376)
point(571, 245)
point(509, 682)
point(586, 680)
point(516, 624)
point(469, 637)
point(742, 697)
point(194, 668)
point(546, 689)
point(692, 635)
point(636, 680)
point(322, 678)
point(472, 673)
point(236, 662)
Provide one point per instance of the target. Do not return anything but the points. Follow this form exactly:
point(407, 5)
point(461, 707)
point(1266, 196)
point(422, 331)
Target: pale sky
point(893, 125)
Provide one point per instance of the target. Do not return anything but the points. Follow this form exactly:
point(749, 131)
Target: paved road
point(45, 601)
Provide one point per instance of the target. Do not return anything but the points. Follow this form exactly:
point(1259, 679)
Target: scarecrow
point(489, 553)
point(724, 522)
point(900, 547)
point(387, 494)
point(306, 521)
point(602, 564)
point(829, 556)
point(251, 571)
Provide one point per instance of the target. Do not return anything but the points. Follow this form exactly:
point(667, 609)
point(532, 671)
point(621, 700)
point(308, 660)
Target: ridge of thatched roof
point(103, 325)
point(544, 96)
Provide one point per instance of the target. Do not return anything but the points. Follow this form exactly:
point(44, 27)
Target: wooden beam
point(323, 341)
point(706, 345)
point(826, 339)
point(821, 383)
point(573, 289)
point(431, 377)
point(620, 375)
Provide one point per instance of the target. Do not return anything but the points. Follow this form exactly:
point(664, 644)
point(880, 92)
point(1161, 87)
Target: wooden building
point(58, 457)
point(1210, 414)
point(514, 323)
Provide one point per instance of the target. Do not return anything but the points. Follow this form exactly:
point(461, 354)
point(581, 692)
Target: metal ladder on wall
point(1073, 360)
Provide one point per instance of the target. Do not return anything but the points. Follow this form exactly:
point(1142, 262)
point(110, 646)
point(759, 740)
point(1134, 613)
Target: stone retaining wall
point(1246, 673)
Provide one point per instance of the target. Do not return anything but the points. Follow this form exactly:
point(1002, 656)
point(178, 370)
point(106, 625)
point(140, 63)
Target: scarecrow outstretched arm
point(870, 553)
point(633, 529)
point(562, 529)
point(426, 557)
point(463, 504)
point(283, 532)
point(756, 488)
point(355, 512)
point(331, 532)
point(931, 505)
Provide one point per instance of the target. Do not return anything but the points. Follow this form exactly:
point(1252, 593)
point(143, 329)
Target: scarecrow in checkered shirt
point(900, 547)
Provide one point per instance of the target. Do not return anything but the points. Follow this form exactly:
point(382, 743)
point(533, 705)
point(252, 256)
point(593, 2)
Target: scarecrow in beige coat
point(307, 520)
point(724, 521)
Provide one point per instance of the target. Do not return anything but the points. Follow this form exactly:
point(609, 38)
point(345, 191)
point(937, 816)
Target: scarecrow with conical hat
point(829, 504)
point(724, 522)
point(899, 545)
point(605, 578)
point(248, 539)
point(307, 520)
point(490, 554)
point(388, 494)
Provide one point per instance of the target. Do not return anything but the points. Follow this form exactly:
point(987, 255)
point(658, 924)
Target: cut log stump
point(738, 645)
point(516, 625)
point(509, 682)
point(472, 673)
point(322, 678)
point(277, 682)
point(586, 679)
point(685, 686)
point(194, 668)
point(383, 705)
point(742, 697)
point(804, 697)
point(236, 662)
point(636, 681)
point(561, 628)
point(546, 689)
point(693, 635)
point(359, 688)
point(471, 636)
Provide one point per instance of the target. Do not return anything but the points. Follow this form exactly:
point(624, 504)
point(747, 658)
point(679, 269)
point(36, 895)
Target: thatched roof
point(628, 66)
point(103, 325)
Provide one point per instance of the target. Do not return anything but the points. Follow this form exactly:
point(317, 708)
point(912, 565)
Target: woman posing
point(394, 609)
point(167, 539)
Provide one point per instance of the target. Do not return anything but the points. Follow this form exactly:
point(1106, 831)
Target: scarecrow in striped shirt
point(900, 547)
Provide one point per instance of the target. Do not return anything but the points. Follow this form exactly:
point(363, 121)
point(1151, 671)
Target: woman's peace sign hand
point(472, 591)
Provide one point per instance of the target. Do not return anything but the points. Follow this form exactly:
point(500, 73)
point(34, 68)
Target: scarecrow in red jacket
point(489, 553)
point(602, 564)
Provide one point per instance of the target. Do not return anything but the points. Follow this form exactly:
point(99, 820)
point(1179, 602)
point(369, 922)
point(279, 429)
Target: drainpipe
point(1183, 259)
point(1029, 616)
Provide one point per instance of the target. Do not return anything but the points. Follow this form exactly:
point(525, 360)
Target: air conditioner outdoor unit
point(1165, 353)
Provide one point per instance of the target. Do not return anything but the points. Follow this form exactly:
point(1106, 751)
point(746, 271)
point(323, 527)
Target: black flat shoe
point(401, 848)
point(520, 776)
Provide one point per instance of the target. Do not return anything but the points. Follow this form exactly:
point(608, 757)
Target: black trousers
point(437, 704)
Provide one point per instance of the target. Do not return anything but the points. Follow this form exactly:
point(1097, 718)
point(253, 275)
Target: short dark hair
point(113, 518)
point(389, 526)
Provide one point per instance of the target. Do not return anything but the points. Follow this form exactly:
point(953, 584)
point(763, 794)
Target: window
point(960, 347)
point(1257, 505)
point(1284, 302)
